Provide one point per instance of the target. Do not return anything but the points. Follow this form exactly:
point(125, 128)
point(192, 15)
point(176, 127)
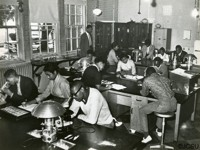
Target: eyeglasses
point(74, 94)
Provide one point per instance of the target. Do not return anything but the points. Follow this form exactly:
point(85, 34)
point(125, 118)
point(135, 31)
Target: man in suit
point(180, 54)
point(86, 41)
point(148, 50)
point(18, 88)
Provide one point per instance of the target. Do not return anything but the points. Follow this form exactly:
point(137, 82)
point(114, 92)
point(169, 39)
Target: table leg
point(177, 119)
point(194, 110)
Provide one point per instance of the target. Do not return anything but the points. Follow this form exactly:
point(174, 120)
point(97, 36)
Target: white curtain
point(43, 11)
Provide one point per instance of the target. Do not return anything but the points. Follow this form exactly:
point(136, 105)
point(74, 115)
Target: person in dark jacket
point(18, 88)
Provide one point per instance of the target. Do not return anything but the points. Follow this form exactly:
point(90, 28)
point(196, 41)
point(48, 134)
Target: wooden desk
point(14, 137)
point(131, 97)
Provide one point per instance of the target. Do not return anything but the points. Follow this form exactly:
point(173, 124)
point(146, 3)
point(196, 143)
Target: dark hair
point(122, 55)
point(89, 26)
point(78, 83)
point(150, 70)
point(51, 67)
point(10, 72)
point(178, 47)
point(114, 44)
point(90, 52)
point(158, 59)
point(147, 42)
point(162, 48)
point(99, 59)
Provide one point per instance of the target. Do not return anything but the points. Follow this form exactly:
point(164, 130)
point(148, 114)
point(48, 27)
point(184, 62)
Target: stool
point(163, 116)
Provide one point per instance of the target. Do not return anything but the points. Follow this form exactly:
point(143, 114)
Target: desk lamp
point(48, 110)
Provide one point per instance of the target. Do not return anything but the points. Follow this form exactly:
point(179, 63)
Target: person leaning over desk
point(18, 88)
point(125, 66)
point(160, 67)
point(92, 103)
point(92, 75)
point(160, 88)
point(58, 87)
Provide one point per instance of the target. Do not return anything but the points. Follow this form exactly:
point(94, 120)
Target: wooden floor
point(189, 135)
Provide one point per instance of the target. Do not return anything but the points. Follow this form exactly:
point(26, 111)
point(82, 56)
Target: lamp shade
point(48, 109)
point(97, 11)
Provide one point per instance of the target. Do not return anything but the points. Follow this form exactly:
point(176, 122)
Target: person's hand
point(108, 86)
point(7, 91)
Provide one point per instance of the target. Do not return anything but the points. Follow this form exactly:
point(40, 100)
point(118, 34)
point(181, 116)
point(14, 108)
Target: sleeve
point(74, 107)
point(151, 52)
point(45, 94)
point(118, 67)
point(133, 70)
point(18, 99)
point(65, 90)
point(114, 57)
point(145, 89)
point(93, 114)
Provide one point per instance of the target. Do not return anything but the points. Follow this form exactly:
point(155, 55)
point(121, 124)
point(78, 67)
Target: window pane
point(67, 32)
point(79, 31)
point(72, 19)
point(68, 44)
point(74, 32)
point(72, 10)
point(74, 47)
point(67, 21)
point(67, 9)
point(78, 20)
point(78, 10)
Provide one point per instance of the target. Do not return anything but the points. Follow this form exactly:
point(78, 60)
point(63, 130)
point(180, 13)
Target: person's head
point(157, 61)
point(89, 28)
point(11, 76)
point(100, 63)
point(149, 71)
point(147, 42)
point(178, 49)
point(162, 51)
point(51, 70)
point(124, 58)
point(115, 46)
point(78, 90)
point(90, 54)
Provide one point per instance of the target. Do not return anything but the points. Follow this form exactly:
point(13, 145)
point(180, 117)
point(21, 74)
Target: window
point(8, 32)
point(43, 38)
point(74, 25)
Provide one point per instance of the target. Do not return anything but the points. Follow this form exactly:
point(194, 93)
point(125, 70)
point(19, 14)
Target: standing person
point(86, 41)
point(160, 67)
point(180, 54)
point(92, 75)
point(125, 66)
point(92, 103)
point(148, 50)
point(19, 88)
point(58, 86)
point(161, 90)
point(112, 58)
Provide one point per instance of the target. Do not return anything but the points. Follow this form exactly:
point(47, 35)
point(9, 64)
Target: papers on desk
point(118, 86)
point(28, 107)
point(135, 78)
point(182, 73)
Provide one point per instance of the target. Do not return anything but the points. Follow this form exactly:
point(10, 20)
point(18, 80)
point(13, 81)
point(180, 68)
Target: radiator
point(24, 69)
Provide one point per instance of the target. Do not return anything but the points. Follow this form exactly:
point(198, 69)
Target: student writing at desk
point(92, 75)
point(125, 66)
point(161, 90)
point(93, 105)
point(160, 67)
point(19, 88)
point(58, 87)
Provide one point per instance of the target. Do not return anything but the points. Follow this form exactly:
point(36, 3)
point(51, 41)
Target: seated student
point(58, 86)
point(148, 50)
point(160, 88)
point(89, 59)
point(92, 103)
point(92, 75)
point(163, 55)
point(180, 54)
point(160, 67)
point(19, 88)
point(125, 66)
point(112, 58)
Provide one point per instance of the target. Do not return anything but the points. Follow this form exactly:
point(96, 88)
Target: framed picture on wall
point(187, 34)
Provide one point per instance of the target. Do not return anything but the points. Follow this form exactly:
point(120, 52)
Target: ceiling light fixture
point(97, 11)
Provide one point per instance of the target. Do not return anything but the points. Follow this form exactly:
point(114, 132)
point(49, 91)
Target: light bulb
point(195, 12)
point(97, 11)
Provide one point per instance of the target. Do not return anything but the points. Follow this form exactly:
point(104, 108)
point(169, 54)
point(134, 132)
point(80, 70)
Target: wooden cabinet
point(121, 35)
point(103, 32)
point(162, 38)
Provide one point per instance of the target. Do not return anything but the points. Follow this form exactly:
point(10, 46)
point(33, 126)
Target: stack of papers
point(182, 73)
point(28, 107)
point(131, 77)
point(118, 86)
